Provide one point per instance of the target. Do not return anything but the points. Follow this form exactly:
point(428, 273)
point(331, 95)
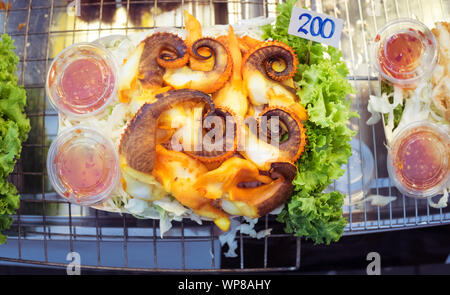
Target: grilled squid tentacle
point(283, 173)
point(177, 172)
point(242, 189)
point(267, 73)
point(263, 149)
point(258, 199)
point(268, 55)
point(137, 146)
point(161, 51)
point(220, 142)
point(206, 81)
point(292, 148)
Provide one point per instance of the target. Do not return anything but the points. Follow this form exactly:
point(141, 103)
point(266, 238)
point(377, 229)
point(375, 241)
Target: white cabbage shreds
point(442, 203)
point(246, 227)
point(417, 106)
point(380, 105)
point(172, 206)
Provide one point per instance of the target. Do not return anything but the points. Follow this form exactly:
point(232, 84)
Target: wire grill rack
point(46, 228)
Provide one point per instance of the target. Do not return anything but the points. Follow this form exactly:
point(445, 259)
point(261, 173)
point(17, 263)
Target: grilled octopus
point(162, 59)
point(146, 65)
point(227, 176)
point(267, 70)
point(206, 81)
point(137, 145)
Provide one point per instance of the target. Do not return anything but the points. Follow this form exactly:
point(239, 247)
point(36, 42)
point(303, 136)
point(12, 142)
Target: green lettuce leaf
point(10, 203)
point(12, 105)
point(317, 216)
point(8, 60)
point(10, 146)
point(14, 129)
point(323, 90)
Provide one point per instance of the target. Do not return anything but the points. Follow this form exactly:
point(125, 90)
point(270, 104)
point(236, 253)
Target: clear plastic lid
point(83, 165)
point(404, 52)
point(418, 159)
point(82, 80)
point(359, 173)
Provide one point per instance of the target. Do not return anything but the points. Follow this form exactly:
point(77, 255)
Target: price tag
point(315, 26)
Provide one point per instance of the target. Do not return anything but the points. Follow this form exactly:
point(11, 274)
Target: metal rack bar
point(266, 225)
point(98, 237)
point(390, 184)
point(155, 256)
point(369, 71)
point(357, 99)
point(212, 249)
point(125, 241)
point(149, 270)
point(241, 249)
point(183, 251)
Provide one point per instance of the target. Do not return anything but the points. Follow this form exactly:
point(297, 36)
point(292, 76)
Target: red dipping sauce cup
point(82, 80)
point(404, 52)
point(83, 165)
point(418, 160)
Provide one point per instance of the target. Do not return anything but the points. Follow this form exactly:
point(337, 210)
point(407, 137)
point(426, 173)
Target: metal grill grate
point(46, 227)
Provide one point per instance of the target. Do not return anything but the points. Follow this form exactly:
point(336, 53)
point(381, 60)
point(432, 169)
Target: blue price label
point(316, 26)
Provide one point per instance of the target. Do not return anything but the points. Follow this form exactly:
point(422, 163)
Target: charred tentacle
point(286, 172)
point(219, 147)
point(294, 145)
point(161, 51)
point(138, 142)
point(222, 59)
point(206, 81)
point(257, 198)
point(264, 57)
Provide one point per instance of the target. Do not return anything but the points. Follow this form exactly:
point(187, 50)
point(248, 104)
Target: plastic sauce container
point(82, 80)
point(418, 161)
point(83, 165)
point(405, 52)
point(359, 173)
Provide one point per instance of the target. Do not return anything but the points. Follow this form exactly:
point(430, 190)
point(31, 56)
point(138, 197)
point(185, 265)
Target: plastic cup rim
point(110, 60)
point(56, 184)
point(417, 78)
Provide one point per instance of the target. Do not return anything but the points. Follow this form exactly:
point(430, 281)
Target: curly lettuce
point(14, 129)
point(323, 90)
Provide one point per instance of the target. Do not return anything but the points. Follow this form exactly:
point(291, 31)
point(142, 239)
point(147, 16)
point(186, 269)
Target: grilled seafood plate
point(211, 125)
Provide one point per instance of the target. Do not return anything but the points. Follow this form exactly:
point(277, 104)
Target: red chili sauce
point(401, 54)
point(84, 169)
point(419, 160)
point(85, 85)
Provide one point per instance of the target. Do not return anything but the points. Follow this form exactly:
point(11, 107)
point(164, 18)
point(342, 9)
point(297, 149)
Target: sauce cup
point(82, 80)
point(418, 159)
point(404, 52)
point(83, 165)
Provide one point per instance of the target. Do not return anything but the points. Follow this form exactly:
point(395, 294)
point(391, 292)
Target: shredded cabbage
point(172, 206)
point(246, 227)
point(443, 201)
point(376, 200)
point(418, 106)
